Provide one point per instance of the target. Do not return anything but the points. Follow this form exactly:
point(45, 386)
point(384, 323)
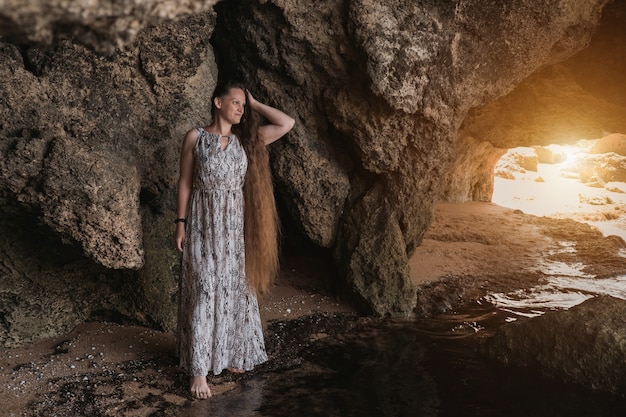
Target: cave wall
point(91, 116)
point(379, 90)
point(102, 26)
point(582, 97)
point(89, 147)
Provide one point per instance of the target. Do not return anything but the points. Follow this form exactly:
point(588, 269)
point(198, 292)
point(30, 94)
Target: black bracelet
point(182, 219)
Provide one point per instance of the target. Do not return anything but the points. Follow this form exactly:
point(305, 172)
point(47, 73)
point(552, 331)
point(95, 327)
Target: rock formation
point(103, 25)
point(89, 147)
point(380, 90)
point(89, 134)
point(586, 344)
point(615, 143)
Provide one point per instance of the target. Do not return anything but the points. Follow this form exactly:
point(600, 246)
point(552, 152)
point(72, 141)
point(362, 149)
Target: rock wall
point(580, 97)
point(103, 25)
point(89, 152)
point(471, 176)
point(379, 90)
point(90, 134)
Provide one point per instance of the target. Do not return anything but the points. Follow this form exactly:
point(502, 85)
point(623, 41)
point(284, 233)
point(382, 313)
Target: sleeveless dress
point(219, 326)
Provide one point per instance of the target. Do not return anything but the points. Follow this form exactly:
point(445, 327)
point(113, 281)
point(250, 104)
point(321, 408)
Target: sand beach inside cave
point(484, 246)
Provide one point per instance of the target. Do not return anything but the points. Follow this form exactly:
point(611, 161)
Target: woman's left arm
point(280, 123)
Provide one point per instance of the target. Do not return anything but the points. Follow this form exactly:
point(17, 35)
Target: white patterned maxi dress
point(218, 319)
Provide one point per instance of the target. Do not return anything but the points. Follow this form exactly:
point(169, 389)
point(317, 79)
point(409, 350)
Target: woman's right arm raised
point(185, 182)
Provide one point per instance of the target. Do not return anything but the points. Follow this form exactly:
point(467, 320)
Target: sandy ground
point(130, 371)
point(531, 227)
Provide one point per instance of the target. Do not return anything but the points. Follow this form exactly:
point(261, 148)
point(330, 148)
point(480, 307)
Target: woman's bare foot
point(236, 370)
point(199, 387)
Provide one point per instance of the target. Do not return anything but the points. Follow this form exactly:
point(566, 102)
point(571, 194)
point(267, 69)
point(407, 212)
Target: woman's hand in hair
point(252, 102)
point(279, 122)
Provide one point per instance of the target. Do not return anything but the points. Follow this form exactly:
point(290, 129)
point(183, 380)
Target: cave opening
point(582, 181)
point(554, 145)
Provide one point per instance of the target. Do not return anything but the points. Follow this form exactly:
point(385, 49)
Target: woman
point(221, 166)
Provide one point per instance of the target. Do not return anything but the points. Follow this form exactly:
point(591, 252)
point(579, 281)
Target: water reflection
point(377, 371)
point(349, 366)
point(242, 401)
point(401, 368)
point(561, 292)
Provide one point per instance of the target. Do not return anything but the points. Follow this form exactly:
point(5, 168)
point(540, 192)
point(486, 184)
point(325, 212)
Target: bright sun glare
point(546, 181)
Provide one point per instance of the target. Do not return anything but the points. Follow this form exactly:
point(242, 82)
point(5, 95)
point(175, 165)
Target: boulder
point(552, 154)
point(616, 187)
point(518, 160)
point(615, 143)
point(606, 167)
point(594, 200)
point(584, 345)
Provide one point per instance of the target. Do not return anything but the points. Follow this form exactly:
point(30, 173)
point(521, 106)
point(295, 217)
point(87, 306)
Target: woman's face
point(231, 105)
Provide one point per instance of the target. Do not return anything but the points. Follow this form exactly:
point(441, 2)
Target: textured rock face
point(381, 88)
point(102, 25)
point(586, 344)
point(581, 97)
point(612, 143)
point(478, 159)
point(89, 142)
point(89, 148)
point(605, 167)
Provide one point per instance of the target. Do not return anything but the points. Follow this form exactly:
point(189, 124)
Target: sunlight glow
point(549, 182)
point(556, 190)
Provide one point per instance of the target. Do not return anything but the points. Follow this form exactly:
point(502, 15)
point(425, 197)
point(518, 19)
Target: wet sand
point(111, 369)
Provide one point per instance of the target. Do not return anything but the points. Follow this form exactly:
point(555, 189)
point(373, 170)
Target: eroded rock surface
point(89, 148)
point(580, 97)
point(586, 344)
point(102, 25)
point(615, 143)
point(379, 89)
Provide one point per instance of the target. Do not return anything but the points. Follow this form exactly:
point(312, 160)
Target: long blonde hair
point(261, 229)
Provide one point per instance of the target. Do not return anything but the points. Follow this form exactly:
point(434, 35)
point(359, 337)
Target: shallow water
point(424, 368)
point(555, 293)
